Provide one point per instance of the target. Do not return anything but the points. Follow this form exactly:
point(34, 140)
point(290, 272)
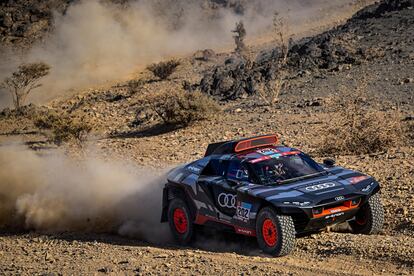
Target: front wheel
point(275, 233)
point(179, 219)
point(370, 217)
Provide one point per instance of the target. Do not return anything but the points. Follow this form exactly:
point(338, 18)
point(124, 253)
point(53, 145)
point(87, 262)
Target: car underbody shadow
point(210, 239)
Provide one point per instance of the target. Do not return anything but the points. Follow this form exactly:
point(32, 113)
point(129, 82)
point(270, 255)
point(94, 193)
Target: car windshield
point(284, 168)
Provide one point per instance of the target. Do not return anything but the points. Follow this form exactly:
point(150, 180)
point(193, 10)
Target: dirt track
point(328, 253)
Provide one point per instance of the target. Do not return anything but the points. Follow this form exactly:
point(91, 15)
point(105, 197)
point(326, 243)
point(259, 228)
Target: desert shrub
point(61, 127)
point(177, 107)
point(409, 130)
point(24, 80)
point(204, 55)
point(363, 133)
point(357, 128)
point(135, 85)
point(163, 69)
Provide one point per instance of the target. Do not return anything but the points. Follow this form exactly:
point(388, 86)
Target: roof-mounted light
point(256, 142)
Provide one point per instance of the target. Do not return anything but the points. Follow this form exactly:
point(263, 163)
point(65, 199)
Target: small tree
point(271, 90)
point(163, 69)
point(282, 34)
point(240, 32)
point(24, 80)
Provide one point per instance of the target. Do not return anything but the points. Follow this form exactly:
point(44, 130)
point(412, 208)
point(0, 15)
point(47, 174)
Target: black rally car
point(256, 188)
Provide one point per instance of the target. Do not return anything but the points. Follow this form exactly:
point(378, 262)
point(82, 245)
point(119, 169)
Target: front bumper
point(316, 224)
point(318, 217)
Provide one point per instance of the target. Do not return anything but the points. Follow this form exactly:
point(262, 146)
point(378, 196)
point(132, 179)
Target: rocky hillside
point(23, 22)
point(381, 32)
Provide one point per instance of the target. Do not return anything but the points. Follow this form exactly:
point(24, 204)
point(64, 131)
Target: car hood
point(334, 183)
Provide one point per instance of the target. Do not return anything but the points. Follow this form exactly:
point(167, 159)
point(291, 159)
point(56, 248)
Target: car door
point(224, 192)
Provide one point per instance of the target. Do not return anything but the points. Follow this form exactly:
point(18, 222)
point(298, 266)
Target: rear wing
point(241, 145)
point(212, 147)
point(256, 142)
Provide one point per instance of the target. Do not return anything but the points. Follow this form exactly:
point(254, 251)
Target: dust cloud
point(96, 42)
point(52, 193)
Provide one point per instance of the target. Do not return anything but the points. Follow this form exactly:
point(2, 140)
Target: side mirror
point(232, 183)
point(329, 162)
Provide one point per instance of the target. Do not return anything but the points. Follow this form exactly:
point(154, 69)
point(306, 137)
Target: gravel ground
point(301, 117)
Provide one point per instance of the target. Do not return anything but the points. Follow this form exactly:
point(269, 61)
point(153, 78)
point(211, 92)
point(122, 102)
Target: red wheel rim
point(180, 220)
point(269, 232)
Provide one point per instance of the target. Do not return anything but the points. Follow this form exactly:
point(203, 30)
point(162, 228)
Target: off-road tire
point(285, 232)
point(182, 237)
point(370, 217)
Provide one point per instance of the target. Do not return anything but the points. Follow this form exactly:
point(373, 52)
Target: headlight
point(317, 211)
point(355, 201)
point(357, 179)
point(368, 187)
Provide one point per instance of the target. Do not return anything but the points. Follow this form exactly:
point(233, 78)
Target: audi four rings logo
point(227, 200)
point(320, 187)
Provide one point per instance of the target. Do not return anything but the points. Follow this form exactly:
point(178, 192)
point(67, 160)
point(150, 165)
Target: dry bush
point(409, 130)
point(270, 91)
point(357, 128)
point(163, 69)
point(24, 80)
point(177, 107)
point(60, 127)
point(136, 84)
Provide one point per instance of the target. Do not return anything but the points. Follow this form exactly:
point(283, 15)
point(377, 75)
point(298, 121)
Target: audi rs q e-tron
point(256, 187)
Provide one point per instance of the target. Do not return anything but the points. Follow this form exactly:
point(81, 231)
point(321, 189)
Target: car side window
point(237, 172)
point(216, 167)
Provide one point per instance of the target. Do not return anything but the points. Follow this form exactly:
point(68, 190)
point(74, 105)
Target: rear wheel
point(179, 219)
point(275, 233)
point(370, 217)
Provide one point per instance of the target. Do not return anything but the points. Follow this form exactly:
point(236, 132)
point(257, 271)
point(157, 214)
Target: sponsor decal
point(339, 198)
point(290, 153)
point(243, 211)
point(267, 151)
point(318, 187)
point(227, 200)
point(334, 215)
point(276, 155)
point(335, 210)
point(193, 169)
point(262, 158)
point(244, 231)
point(272, 153)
